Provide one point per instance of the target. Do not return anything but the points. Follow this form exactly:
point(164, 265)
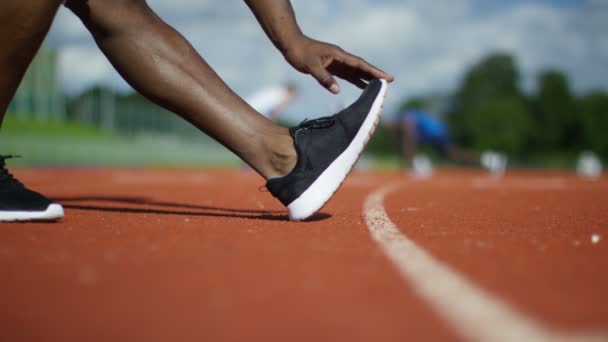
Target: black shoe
point(327, 149)
point(17, 203)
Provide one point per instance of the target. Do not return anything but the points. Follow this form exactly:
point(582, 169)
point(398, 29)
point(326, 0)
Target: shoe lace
point(324, 122)
point(5, 176)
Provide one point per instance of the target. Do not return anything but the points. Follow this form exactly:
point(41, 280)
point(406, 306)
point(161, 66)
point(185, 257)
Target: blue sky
point(426, 44)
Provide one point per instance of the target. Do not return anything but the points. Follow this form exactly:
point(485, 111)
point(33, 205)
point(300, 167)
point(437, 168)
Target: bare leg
point(158, 62)
point(23, 26)
point(409, 145)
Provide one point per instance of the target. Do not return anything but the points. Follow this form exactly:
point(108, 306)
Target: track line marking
point(474, 313)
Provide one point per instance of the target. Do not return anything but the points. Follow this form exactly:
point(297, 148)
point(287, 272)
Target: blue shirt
point(428, 128)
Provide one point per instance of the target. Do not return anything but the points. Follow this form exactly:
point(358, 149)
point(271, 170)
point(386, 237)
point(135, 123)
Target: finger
point(340, 70)
point(365, 76)
point(356, 73)
point(357, 82)
point(325, 79)
point(360, 64)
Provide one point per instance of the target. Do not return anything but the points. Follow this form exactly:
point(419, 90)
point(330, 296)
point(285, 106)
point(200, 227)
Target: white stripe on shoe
point(53, 212)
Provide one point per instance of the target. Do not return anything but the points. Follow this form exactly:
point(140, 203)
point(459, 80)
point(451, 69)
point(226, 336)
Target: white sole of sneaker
point(323, 188)
point(52, 213)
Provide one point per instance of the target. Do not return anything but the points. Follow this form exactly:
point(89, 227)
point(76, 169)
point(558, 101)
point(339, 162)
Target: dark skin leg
point(23, 26)
point(159, 63)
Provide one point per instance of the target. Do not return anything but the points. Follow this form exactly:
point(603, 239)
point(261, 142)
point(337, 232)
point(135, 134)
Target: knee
point(78, 5)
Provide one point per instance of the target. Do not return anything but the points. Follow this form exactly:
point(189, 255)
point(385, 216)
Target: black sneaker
point(327, 149)
point(17, 203)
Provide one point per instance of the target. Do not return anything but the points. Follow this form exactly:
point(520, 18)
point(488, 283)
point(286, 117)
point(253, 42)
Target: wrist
point(291, 42)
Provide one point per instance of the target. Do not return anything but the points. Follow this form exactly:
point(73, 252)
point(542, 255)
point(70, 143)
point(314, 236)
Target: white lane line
point(474, 313)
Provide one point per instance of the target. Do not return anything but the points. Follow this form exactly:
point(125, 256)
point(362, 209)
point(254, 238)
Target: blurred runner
point(420, 128)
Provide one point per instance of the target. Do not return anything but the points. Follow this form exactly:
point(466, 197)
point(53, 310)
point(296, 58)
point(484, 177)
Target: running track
point(199, 255)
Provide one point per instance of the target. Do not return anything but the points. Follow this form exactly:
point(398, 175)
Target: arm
point(278, 21)
point(309, 56)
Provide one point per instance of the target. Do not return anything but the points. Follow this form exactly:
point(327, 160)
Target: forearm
point(321, 60)
point(278, 20)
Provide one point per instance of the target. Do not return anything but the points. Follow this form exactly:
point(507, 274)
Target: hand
point(323, 61)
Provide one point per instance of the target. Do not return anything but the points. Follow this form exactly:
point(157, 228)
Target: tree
point(495, 75)
point(418, 102)
point(501, 123)
point(594, 114)
point(557, 125)
point(385, 142)
point(489, 110)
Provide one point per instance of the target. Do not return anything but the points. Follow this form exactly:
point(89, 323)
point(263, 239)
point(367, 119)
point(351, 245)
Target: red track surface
point(187, 255)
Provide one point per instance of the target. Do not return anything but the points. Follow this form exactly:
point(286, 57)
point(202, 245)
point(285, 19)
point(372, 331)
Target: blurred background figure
point(271, 102)
point(419, 128)
point(421, 166)
point(589, 165)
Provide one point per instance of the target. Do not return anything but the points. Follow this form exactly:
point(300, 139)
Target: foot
point(327, 149)
point(494, 162)
point(17, 203)
point(422, 167)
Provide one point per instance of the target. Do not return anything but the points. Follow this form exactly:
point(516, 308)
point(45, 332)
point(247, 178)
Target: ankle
point(282, 157)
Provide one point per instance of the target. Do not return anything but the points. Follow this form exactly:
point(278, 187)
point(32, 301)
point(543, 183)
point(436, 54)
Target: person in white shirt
point(271, 102)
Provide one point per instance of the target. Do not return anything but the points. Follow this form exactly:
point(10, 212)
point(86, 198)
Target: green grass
point(36, 127)
point(64, 143)
point(387, 163)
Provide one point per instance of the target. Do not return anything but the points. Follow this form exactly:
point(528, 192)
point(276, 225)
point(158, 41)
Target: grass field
point(64, 143)
point(47, 143)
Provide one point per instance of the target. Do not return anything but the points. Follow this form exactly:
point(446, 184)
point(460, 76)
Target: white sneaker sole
point(323, 188)
point(52, 213)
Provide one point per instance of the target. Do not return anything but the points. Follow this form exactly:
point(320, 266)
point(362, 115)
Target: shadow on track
point(252, 214)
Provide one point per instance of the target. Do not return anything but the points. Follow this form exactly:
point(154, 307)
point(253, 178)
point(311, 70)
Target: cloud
point(427, 45)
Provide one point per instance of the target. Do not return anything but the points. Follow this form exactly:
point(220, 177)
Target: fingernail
point(334, 88)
